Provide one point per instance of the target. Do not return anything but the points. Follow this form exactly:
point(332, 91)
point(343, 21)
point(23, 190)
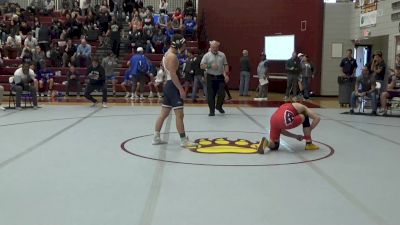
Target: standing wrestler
point(289, 116)
point(173, 93)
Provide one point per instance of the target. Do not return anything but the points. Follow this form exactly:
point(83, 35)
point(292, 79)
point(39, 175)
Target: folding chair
point(25, 96)
point(366, 102)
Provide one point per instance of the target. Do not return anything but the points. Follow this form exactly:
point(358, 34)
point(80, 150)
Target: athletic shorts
point(285, 118)
point(172, 98)
point(393, 94)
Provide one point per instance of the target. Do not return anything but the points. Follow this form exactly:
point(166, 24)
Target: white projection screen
point(279, 47)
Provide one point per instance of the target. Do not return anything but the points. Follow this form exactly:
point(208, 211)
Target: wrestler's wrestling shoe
point(185, 143)
point(311, 147)
point(157, 141)
point(263, 146)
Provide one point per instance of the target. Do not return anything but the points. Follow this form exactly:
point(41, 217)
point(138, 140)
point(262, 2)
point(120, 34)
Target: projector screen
point(279, 47)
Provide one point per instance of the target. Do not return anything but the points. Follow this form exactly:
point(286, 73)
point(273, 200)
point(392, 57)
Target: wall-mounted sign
point(368, 19)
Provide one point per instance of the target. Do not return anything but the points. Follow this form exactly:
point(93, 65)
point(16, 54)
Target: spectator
point(169, 32)
point(178, 15)
point(378, 67)
point(13, 28)
point(163, 6)
point(48, 7)
point(176, 26)
point(109, 64)
point(138, 39)
point(39, 58)
point(55, 55)
point(127, 81)
point(96, 76)
point(159, 40)
point(293, 69)
point(24, 29)
point(152, 84)
point(139, 69)
point(84, 5)
point(23, 80)
point(307, 73)
point(56, 29)
point(36, 6)
point(365, 87)
point(262, 72)
point(73, 78)
point(393, 90)
point(190, 26)
point(83, 53)
point(3, 32)
point(244, 74)
point(118, 8)
point(103, 19)
point(198, 77)
point(69, 52)
point(136, 24)
point(217, 66)
point(163, 21)
point(46, 79)
point(348, 64)
point(76, 27)
point(115, 35)
point(228, 93)
point(1, 97)
point(188, 4)
point(149, 46)
point(66, 6)
point(36, 26)
point(44, 37)
point(13, 47)
point(139, 4)
point(148, 24)
point(142, 13)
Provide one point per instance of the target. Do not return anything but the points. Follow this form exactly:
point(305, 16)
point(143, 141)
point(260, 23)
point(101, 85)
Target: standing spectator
point(103, 19)
point(76, 27)
point(129, 5)
point(198, 78)
point(46, 79)
point(83, 53)
point(293, 69)
point(307, 73)
point(48, 7)
point(163, 21)
point(118, 4)
point(44, 37)
point(365, 87)
point(115, 35)
point(109, 64)
point(262, 72)
point(84, 5)
point(348, 64)
point(97, 78)
point(69, 52)
point(139, 69)
point(73, 77)
point(23, 80)
point(163, 6)
point(244, 74)
point(217, 66)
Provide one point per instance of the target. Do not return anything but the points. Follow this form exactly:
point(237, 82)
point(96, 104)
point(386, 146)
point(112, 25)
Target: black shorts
point(172, 98)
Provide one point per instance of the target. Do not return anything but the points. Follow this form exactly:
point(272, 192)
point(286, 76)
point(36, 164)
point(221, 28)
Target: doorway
point(362, 53)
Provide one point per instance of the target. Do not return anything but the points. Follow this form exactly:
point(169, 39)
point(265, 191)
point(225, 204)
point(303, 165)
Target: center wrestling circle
point(223, 148)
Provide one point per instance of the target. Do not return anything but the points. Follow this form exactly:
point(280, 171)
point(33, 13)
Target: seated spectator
point(24, 29)
point(73, 78)
point(176, 26)
point(30, 43)
point(36, 6)
point(23, 80)
point(83, 53)
point(96, 76)
point(46, 80)
point(109, 64)
point(137, 39)
point(76, 27)
point(152, 83)
point(190, 26)
point(163, 6)
point(84, 6)
point(76, 8)
point(44, 37)
point(178, 15)
point(48, 7)
point(169, 32)
point(39, 59)
point(160, 41)
point(129, 5)
point(163, 21)
point(3, 32)
point(66, 6)
point(1, 97)
point(139, 4)
point(13, 47)
point(56, 28)
point(365, 87)
point(69, 52)
point(188, 8)
point(13, 28)
point(36, 27)
point(393, 90)
point(136, 24)
point(139, 69)
point(55, 55)
point(26, 53)
point(142, 13)
point(149, 47)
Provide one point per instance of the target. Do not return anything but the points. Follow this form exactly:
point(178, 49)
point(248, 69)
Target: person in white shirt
point(23, 80)
point(30, 44)
point(163, 6)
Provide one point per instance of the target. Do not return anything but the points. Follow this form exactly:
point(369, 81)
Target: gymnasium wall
point(242, 25)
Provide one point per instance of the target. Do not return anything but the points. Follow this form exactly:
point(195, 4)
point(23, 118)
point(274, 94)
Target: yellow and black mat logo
point(223, 145)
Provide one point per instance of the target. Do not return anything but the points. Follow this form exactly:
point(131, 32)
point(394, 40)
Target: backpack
point(142, 65)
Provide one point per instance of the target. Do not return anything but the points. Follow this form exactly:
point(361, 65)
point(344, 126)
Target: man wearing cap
point(139, 69)
point(216, 65)
point(23, 80)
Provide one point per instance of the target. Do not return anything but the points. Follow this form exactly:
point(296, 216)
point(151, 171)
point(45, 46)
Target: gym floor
point(76, 165)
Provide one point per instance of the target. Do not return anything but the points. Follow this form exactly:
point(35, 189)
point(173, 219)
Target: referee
point(216, 65)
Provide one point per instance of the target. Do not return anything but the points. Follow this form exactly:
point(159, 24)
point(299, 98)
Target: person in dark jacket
point(293, 69)
point(97, 78)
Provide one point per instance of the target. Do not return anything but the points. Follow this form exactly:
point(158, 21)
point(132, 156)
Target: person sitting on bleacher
point(393, 90)
point(39, 58)
point(365, 87)
point(46, 78)
point(13, 46)
point(23, 80)
point(36, 6)
point(69, 52)
point(73, 77)
point(190, 26)
point(55, 55)
point(138, 40)
point(30, 44)
point(178, 16)
point(1, 97)
point(83, 53)
point(163, 20)
point(159, 41)
point(24, 30)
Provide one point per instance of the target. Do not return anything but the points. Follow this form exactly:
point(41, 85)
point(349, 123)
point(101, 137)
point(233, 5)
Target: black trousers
point(215, 88)
point(92, 87)
point(115, 43)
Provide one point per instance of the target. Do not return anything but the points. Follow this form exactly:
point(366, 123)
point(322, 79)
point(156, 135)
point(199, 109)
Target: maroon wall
point(239, 25)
